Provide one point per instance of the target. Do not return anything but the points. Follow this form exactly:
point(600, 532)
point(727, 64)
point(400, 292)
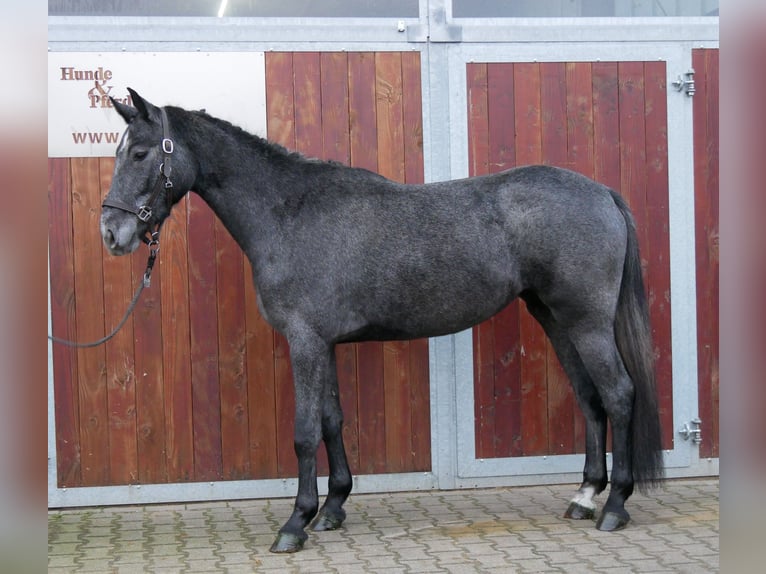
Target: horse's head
point(147, 180)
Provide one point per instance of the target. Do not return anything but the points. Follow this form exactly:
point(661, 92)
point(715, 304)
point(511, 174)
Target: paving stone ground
point(485, 530)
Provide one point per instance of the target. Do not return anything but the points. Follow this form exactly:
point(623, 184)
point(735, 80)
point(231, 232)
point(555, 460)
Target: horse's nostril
point(109, 237)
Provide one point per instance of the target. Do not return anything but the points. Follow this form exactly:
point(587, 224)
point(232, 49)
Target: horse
point(342, 254)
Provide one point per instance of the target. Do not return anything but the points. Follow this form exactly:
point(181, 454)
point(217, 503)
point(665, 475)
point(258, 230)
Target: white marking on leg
point(584, 497)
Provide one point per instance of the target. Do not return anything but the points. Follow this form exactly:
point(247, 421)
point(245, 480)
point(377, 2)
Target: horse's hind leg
point(595, 479)
point(598, 351)
point(332, 515)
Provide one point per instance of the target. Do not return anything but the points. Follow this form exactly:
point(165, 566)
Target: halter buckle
point(144, 213)
point(167, 145)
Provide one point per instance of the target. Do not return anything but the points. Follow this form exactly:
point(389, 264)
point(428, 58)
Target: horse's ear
point(146, 110)
point(128, 114)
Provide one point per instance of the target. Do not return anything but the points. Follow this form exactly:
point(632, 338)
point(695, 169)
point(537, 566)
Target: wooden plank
point(287, 464)
point(534, 397)
point(362, 110)
point(230, 287)
point(308, 135)
point(579, 103)
point(506, 372)
point(369, 356)
point(500, 115)
point(420, 401)
point(526, 79)
point(398, 411)
point(553, 113)
point(388, 90)
point(412, 103)
point(390, 114)
point(484, 388)
point(271, 419)
point(657, 221)
point(308, 103)
point(606, 143)
point(606, 124)
point(507, 382)
point(633, 145)
point(336, 145)
point(89, 305)
point(348, 381)
point(63, 322)
point(706, 145)
point(556, 79)
point(606, 155)
point(713, 78)
point(282, 118)
point(280, 102)
point(633, 151)
point(477, 77)
point(261, 397)
point(371, 408)
point(120, 366)
point(581, 142)
point(418, 375)
point(478, 120)
point(206, 399)
point(150, 392)
point(632, 129)
point(483, 334)
point(335, 107)
point(176, 348)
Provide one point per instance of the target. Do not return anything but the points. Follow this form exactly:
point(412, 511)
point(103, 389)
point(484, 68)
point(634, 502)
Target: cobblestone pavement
point(483, 530)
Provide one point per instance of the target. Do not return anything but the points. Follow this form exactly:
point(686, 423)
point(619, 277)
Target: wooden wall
point(197, 387)
point(607, 120)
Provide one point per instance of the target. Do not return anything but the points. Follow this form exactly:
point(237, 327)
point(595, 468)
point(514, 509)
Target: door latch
point(692, 430)
point(685, 83)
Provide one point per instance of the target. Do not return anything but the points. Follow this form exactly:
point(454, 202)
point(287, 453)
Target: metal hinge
point(685, 83)
point(692, 430)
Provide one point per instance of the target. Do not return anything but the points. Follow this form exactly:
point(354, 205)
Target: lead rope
point(146, 280)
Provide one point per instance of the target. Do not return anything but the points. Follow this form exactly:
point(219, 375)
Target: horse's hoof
point(325, 521)
point(611, 521)
point(287, 543)
point(579, 512)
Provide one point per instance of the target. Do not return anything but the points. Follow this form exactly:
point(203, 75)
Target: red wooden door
point(197, 387)
point(607, 120)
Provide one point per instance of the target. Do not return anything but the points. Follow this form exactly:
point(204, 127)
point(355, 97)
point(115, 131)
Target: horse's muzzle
point(120, 235)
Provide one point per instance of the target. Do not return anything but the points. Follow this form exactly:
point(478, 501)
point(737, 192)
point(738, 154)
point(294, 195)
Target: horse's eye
point(139, 155)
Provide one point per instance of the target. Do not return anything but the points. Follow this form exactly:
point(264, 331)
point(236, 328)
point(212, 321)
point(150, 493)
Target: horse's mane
point(197, 120)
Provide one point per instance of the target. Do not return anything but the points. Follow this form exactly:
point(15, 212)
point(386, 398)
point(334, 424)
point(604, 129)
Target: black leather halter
point(144, 212)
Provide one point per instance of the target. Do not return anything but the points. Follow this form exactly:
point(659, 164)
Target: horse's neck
point(234, 189)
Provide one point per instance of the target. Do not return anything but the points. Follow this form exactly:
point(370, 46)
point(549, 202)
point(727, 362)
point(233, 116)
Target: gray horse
point(342, 254)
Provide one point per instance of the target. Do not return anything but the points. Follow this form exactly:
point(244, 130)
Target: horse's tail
point(634, 341)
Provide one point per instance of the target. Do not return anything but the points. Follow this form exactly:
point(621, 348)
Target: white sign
point(82, 121)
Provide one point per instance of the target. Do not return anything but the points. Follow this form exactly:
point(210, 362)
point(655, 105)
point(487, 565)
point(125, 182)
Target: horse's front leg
point(312, 364)
point(332, 515)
